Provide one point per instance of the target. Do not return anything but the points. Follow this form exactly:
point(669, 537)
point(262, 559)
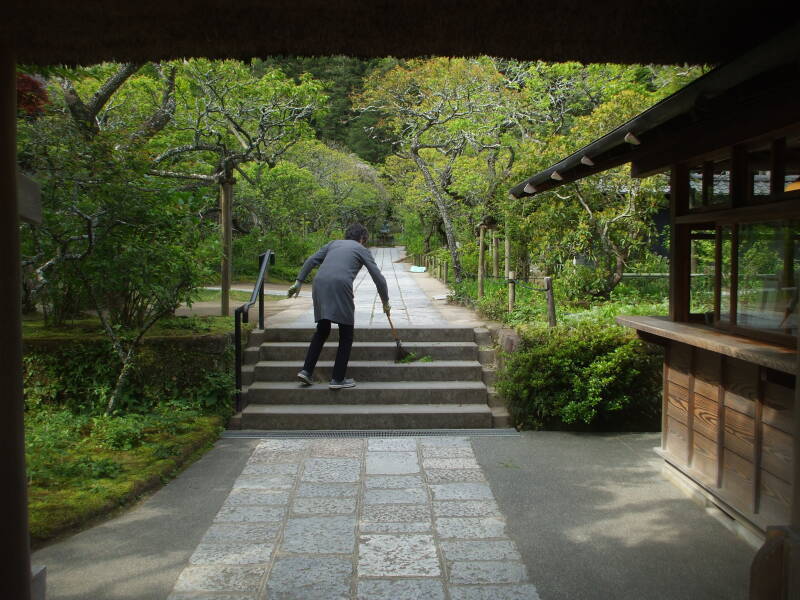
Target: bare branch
point(164, 113)
point(208, 179)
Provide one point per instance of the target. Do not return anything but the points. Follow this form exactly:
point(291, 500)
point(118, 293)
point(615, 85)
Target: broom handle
point(394, 333)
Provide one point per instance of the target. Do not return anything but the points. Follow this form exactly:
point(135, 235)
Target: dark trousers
point(342, 355)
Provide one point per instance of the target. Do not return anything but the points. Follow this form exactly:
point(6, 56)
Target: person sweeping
point(339, 262)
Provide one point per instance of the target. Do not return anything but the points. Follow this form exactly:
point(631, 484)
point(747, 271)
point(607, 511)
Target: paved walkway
point(383, 518)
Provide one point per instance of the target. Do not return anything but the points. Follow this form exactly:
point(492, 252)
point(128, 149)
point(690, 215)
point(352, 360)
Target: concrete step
point(487, 356)
point(368, 393)
point(500, 418)
point(494, 397)
point(372, 350)
point(367, 416)
point(372, 370)
point(375, 334)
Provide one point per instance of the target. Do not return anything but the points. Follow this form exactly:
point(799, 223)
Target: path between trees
point(542, 514)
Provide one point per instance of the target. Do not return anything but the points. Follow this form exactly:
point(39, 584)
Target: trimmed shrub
point(79, 374)
point(585, 376)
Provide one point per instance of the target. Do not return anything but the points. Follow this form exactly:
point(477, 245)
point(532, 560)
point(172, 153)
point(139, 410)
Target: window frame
point(742, 208)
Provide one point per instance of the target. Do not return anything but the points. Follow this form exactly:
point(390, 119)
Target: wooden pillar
point(226, 225)
point(551, 303)
point(679, 246)
point(495, 254)
point(481, 259)
point(15, 568)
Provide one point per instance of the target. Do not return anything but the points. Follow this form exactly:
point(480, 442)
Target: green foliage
point(118, 433)
point(580, 376)
point(342, 77)
point(80, 374)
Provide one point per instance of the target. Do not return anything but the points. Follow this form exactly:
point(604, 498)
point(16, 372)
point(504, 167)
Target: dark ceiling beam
point(622, 31)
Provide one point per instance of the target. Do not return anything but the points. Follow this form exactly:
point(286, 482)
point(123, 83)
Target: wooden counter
point(727, 416)
point(764, 354)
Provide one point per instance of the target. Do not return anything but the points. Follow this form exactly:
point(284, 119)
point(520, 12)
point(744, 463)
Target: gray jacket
point(340, 261)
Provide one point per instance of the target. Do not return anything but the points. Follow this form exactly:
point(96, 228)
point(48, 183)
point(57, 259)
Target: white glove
point(295, 289)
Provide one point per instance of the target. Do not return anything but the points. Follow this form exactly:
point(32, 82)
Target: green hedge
point(79, 374)
point(584, 376)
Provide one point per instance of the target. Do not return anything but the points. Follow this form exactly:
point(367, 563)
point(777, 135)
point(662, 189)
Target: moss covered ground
point(80, 468)
point(83, 464)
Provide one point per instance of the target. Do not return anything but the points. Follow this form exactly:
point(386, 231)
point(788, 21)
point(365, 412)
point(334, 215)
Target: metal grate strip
point(369, 433)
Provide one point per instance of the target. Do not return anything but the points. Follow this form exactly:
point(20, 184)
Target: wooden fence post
point(481, 259)
point(446, 269)
point(512, 291)
point(551, 303)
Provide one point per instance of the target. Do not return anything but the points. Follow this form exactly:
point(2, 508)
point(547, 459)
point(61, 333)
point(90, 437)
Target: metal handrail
point(242, 315)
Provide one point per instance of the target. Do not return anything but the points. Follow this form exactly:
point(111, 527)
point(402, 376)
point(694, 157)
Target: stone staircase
point(450, 392)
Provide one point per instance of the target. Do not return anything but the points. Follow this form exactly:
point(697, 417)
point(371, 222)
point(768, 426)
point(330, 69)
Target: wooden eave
point(739, 100)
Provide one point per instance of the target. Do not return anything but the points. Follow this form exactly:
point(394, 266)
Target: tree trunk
point(495, 254)
point(441, 206)
point(507, 248)
point(226, 225)
point(122, 380)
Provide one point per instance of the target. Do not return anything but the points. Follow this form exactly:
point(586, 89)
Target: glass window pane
point(701, 283)
point(696, 188)
point(759, 163)
point(710, 184)
point(719, 186)
point(725, 291)
point(769, 259)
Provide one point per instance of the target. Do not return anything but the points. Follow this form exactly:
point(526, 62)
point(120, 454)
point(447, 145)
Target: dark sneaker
point(305, 377)
point(342, 383)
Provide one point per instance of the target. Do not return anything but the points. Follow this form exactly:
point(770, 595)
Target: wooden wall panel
point(741, 384)
point(678, 441)
point(775, 500)
point(728, 425)
point(777, 453)
point(739, 433)
point(737, 482)
point(778, 402)
point(707, 366)
point(706, 416)
point(704, 458)
point(678, 403)
point(680, 358)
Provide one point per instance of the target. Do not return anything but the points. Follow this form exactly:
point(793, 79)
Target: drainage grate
point(370, 433)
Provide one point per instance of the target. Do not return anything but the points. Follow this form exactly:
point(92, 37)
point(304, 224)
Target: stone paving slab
point(377, 519)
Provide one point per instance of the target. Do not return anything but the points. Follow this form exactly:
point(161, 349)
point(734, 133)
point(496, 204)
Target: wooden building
point(731, 143)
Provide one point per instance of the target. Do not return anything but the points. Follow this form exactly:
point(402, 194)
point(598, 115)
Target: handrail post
point(237, 342)
point(551, 303)
point(481, 260)
point(261, 295)
point(512, 291)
